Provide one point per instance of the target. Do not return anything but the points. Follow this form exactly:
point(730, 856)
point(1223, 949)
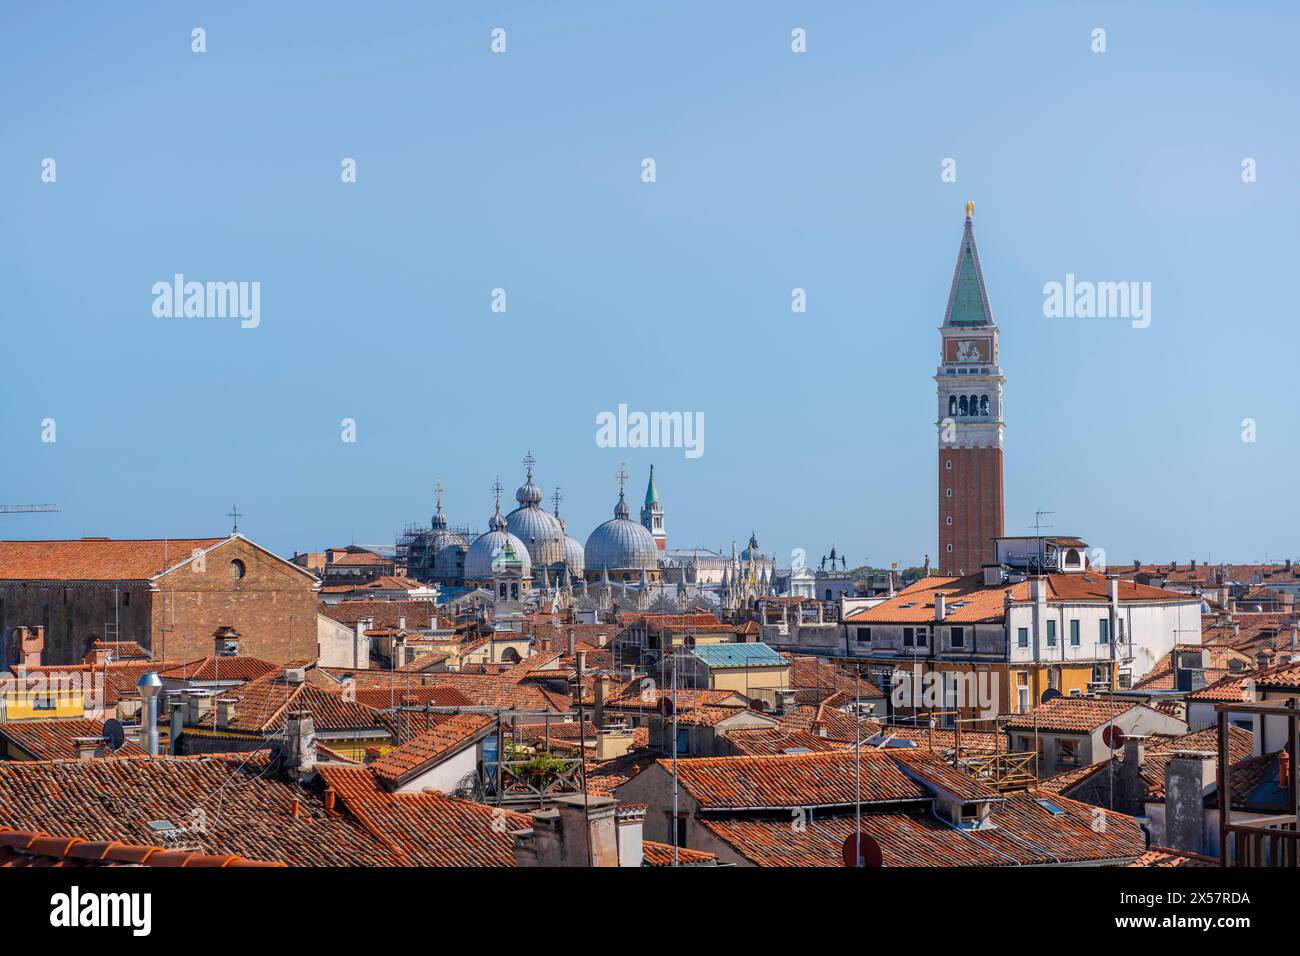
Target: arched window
point(964, 408)
point(952, 406)
point(984, 404)
point(828, 594)
point(974, 404)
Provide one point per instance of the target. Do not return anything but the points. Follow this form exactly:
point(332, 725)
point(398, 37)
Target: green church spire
point(651, 492)
point(968, 302)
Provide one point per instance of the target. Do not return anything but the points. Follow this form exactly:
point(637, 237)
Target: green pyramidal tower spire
point(968, 301)
point(652, 512)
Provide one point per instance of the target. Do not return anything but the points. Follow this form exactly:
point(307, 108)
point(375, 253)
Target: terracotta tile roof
point(1156, 757)
point(95, 559)
point(420, 615)
point(969, 601)
point(939, 774)
point(1283, 676)
point(814, 680)
point(248, 809)
point(1072, 714)
point(262, 706)
point(777, 740)
point(22, 848)
point(54, 739)
point(792, 780)
point(399, 695)
point(1163, 857)
point(942, 739)
point(1162, 676)
point(118, 679)
point(1026, 833)
point(696, 620)
point(603, 776)
point(497, 690)
point(661, 854)
point(121, 649)
point(426, 828)
point(448, 734)
point(221, 669)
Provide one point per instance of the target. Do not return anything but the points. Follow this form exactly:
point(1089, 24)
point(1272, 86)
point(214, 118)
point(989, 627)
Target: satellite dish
point(666, 706)
point(114, 734)
point(1050, 694)
point(1113, 737)
point(861, 846)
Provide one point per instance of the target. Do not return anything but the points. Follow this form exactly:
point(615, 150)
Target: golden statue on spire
point(970, 209)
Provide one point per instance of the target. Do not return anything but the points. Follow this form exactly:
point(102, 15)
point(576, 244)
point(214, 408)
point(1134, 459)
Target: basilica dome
point(621, 544)
point(490, 545)
point(537, 529)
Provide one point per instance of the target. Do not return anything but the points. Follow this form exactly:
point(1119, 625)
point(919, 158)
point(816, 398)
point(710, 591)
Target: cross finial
point(529, 461)
point(621, 477)
point(970, 209)
point(557, 498)
point(496, 490)
point(234, 515)
point(437, 490)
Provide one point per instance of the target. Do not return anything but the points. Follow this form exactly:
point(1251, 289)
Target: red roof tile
point(95, 559)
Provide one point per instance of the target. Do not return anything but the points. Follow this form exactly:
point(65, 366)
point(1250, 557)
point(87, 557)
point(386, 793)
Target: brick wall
point(975, 477)
point(273, 606)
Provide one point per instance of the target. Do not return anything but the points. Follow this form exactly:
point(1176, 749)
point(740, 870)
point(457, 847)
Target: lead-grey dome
point(621, 544)
point(540, 533)
point(489, 545)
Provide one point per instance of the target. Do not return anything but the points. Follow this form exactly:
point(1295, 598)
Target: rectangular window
point(914, 637)
point(957, 636)
point(864, 635)
point(1051, 633)
point(1104, 631)
point(1022, 637)
point(1074, 633)
point(1067, 753)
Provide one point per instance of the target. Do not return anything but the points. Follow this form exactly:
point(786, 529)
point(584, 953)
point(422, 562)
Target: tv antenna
point(1038, 532)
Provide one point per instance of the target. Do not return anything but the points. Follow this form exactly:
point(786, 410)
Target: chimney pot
point(940, 607)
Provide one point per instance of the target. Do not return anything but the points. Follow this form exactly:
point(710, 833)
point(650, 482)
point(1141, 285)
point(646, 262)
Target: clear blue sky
point(522, 171)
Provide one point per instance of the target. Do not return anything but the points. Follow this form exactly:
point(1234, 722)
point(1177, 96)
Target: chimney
point(562, 834)
point(1193, 564)
point(30, 641)
point(940, 607)
point(602, 689)
point(1187, 776)
point(1288, 565)
point(89, 747)
point(1134, 755)
point(1173, 565)
point(571, 643)
point(225, 642)
point(293, 676)
point(96, 656)
point(1137, 565)
point(401, 623)
point(178, 706)
point(1112, 588)
point(149, 687)
point(630, 825)
point(298, 751)
point(614, 741)
point(225, 711)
